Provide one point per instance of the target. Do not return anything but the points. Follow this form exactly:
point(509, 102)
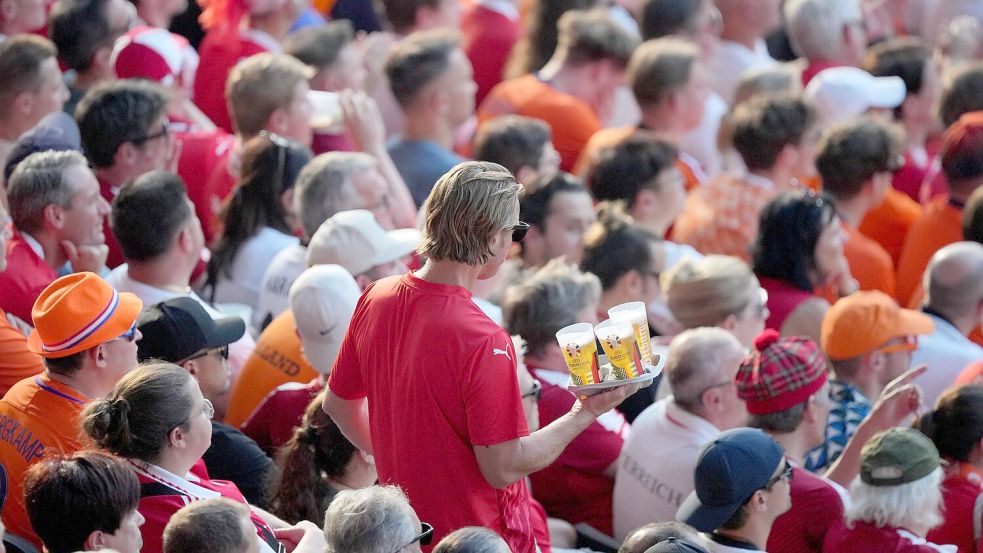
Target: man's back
point(444, 382)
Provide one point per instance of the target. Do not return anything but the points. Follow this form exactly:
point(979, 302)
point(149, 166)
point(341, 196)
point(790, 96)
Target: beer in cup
point(635, 312)
point(580, 352)
point(617, 337)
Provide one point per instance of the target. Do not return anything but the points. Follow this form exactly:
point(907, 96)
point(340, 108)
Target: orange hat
point(864, 321)
point(80, 311)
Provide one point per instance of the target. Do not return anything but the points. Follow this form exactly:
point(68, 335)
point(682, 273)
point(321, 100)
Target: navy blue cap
point(675, 545)
point(729, 470)
point(56, 131)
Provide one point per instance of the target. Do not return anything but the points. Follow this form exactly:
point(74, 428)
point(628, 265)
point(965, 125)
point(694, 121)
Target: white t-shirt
point(946, 352)
point(249, 266)
point(274, 289)
point(729, 63)
point(655, 471)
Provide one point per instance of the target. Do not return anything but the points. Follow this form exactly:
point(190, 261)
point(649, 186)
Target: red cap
point(781, 373)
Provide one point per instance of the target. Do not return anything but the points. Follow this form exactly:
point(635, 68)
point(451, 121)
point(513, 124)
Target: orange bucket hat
point(80, 311)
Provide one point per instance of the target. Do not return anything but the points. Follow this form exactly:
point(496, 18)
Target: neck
point(54, 256)
point(173, 462)
point(745, 36)
point(868, 385)
point(794, 443)
point(84, 80)
point(115, 174)
point(88, 387)
point(11, 129)
point(852, 211)
point(161, 273)
point(654, 220)
point(152, 14)
point(754, 532)
point(567, 79)
point(779, 176)
point(450, 272)
point(425, 126)
point(273, 24)
point(662, 121)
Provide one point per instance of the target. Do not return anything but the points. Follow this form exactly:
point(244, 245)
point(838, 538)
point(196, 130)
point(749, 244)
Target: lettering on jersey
point(658, 488)
point(21, 439)
point(283, 363)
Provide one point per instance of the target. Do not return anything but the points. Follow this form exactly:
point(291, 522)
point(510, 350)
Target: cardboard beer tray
point(651, 371)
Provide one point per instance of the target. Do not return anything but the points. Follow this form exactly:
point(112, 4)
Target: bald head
point(954, 280)
point(700, 359)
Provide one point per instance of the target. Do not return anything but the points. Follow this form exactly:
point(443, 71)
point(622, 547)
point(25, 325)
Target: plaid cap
point(780, 373)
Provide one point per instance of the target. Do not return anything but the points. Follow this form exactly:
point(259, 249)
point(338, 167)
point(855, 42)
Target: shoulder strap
point(155, 489)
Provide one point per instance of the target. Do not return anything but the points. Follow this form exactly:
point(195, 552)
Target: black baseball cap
point(178, 328)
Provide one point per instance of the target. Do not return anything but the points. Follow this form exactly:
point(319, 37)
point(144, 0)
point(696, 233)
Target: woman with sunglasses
point(378, 519)
point(258, 220)
point(158, 422)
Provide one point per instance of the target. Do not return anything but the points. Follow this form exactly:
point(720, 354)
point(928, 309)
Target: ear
point(192, 367)
point(95, 541)
point(125, 155)
point(632, 281)
point(729, 324)
point(277, 122)
point(176, 437)
point(525, 175)
point(102, 58)
point(54, 216)
point(98, 355)
point(287, 201)
point(23, 102)
point(184, 240)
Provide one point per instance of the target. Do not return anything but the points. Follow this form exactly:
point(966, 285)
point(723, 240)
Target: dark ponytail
point(956, 424)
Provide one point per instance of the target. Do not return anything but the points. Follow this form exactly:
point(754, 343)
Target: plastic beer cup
point(636, 313)
point(617, 337)
point(580, 352)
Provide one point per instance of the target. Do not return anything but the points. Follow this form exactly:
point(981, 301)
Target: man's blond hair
point(260, 85)
point(467, 206)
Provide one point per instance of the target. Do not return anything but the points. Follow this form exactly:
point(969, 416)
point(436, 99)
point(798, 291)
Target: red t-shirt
point(489, 36)
point(574, 488)
point(440, 379)
point(27, 275)
point(783, 298)
point(220, 51)
point(115, 257)
point(272, 423)
point(960, 492)
point(203, 153)
point(219, 185)
point(816, 506)
point(870, 539)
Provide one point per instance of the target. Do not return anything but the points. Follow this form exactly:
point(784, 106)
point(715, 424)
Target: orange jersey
point(940, 224)
point(276, 360)
point(38, 417)
point(869, 263)
point(16, 361)
point(888, 223)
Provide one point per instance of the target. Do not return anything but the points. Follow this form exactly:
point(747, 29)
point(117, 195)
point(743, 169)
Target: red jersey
point(38, 416)
point(27, 275)
point(220, 183)
point(962, 492)
point(870, 539)
point(816, 506)
point(440, 379)
point(489, 36)
point(272, 423)
point(202, 153)
point(220, 51)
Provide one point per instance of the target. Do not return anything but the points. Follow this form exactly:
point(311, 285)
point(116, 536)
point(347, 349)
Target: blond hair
point(660, 68)
point(260, 85)
point(705, 292)
point(467, 206)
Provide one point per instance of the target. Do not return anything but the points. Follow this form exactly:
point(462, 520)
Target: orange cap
point(80, 311)
point(864, 321)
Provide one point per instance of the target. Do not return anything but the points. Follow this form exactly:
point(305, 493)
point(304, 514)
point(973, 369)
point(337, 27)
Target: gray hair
point(913, 505)
point(211, 525)
point(472, 539)
point(550, 300)
point(36, 183)
point(369, 520)
point(815, 27)
point(324, 187)
point(697, 362)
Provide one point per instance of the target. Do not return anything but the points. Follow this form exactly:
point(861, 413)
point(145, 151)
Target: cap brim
point(321, 353)
point(227, 330)
point(914, 322)
point(705, 518)
point(886, 92)
point(402, 242)
point(126, 314)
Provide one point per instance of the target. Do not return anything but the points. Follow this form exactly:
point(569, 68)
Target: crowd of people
point(286, 276)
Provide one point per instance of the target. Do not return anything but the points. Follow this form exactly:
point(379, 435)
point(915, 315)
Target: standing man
point(444, 418)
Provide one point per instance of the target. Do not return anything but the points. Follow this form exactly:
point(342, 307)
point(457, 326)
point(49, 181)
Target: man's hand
point(603, 402)
point(303, 537)
point(85, 257)
point(900, 399)
point(364, 121)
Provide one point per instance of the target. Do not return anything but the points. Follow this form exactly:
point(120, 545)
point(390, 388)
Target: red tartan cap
point(780, 373)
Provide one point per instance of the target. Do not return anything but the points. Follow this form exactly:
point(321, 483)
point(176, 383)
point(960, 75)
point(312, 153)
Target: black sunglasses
point(519, 231)
point(223, 351)
point(424, 537)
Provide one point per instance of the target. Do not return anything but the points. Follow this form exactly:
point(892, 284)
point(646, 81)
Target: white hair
point(368, 520)
point(916, 504)
point(815, 27)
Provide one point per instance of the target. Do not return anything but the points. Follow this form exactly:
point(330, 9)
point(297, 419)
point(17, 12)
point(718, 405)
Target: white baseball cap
point(354, 240)
point(323, 299)
point(842, 93)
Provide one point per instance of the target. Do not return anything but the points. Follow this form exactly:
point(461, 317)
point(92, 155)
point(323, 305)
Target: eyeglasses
point(207, 409)
point(163, 132)
point(519, 231)
point(909, 344)
point(760, 306)
point(535, 391)
point(129, 335)
point(281, 144)
point(424, 537)
point(223, 352)
point(785, 475)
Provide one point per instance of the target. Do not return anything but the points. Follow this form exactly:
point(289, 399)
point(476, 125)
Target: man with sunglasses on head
point(85, 333)
point(427, 383)
point(180, 331)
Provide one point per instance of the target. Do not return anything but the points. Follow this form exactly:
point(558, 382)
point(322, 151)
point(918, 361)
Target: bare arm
point(508, 462)
point(806, 319)
point(352, 418)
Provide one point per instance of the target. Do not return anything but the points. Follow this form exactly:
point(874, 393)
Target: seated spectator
point(377, 518)
point(84, 501)
point(522, 145)
point(742, 46)
point(56, 132)
point(573, 92)
point(322, 301)
point(315, 464)
point(161, 239)
point(895, 500)
point(408, 17)
point(669, 83)
point(641, 539)
point(955, 426)
point(58, 218)
point(954, 291)
point(217, 525)
point(827, 33)
point(578, 486)
point(776, 138)
point(31, 87)
point(856, 161)
point(869, 342)
point(84, 354)
point(17, 361)
point(799, 251)
point(642, 172)
point(431, 79)
point(717, 291)
point(125, 134)
point(653, 482)
point(472, 539)
point(489, 31)
point(180, 331)
point(258, 221)
point(21, 18)
point(84, 31)
point(743, 484)
point(157, 420)
point(941, 221)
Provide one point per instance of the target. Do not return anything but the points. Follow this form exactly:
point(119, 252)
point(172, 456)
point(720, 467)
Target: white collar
point(33, 243)
point(503, 7)
point(186, 484)
point(693, 423)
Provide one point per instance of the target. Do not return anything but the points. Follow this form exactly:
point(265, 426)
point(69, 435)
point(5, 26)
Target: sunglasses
point(785, 475)
point(909, 344)
point(424, 537)
point(223, 352)
point(519, 231)
point(129, 335)
point(535, 391)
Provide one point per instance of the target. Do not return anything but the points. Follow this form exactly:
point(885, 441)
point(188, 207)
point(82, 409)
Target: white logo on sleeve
point(496, 351)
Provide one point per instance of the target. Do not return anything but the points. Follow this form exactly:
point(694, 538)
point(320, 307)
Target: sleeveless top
point(783, 298)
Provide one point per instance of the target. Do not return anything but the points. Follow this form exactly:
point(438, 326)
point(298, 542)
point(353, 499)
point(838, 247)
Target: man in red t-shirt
point(427, 383)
